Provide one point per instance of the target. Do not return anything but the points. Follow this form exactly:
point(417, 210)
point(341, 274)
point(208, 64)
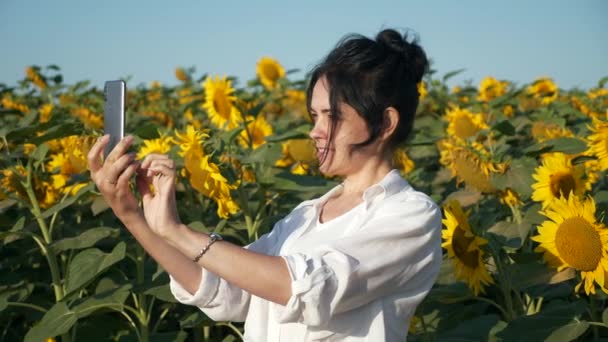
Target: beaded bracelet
point(213, 237)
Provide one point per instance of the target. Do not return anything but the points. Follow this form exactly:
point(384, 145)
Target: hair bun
point(411, 52)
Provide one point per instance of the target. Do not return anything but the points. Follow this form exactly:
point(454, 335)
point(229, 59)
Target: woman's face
point(338, 157)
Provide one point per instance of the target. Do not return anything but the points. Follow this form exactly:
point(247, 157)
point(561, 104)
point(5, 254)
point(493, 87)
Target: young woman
point(351, 265)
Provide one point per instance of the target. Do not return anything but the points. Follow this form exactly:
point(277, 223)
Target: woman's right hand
point(156, 183)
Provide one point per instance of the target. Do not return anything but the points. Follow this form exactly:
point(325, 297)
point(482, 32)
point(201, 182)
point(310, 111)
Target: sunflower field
point(520, 171)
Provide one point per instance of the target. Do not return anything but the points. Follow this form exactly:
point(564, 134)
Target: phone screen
point(114, 93)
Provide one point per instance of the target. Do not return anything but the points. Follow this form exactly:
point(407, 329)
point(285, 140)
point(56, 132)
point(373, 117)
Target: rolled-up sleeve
point(400, 240)
point(217, 298)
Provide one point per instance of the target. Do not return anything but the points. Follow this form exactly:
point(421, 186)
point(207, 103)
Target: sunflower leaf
point(58, 320)
point(564, 144)
point(518, 177)
point(474, 329)
point(504, 127)
point(557, 322)
point(510, 234)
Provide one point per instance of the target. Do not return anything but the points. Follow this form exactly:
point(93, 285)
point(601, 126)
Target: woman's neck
point(368, 175)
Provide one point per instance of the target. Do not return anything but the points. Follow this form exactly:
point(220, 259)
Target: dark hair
point(372, 75)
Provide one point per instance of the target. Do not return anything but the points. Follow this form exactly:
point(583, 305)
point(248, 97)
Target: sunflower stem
point(505, 285)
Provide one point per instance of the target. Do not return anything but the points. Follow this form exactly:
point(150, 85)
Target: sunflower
point(33, 74)
point(269, 71)
point(257, 131)
point(557, 177)
point(403, 162)
point(470, 163)
point(491, 88)
point(181, 74)
point(598, 142)
point(299, 154)
point(510, 198)
point(295, 103)
point(542, 131)
point(219, 102)
point(162, 145)
point(572, 237)
point(463, 124)
point(190, 140)
point(422, 92)
point(45, 112)
point(464, 248)
point(88, 117)
point(8, 103)
point(544, 89)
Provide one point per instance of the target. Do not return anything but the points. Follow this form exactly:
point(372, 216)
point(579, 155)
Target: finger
point(153, 168)
point(143, 186)
point(164, 181)
point(94, 155)
point(119, 150)
point(125, 176)
point(117, 168)
point(151, 157)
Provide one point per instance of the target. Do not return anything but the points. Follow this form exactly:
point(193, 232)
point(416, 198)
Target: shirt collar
point(391, 184)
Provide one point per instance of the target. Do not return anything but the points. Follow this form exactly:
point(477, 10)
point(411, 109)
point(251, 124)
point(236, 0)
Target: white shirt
point(357, 277)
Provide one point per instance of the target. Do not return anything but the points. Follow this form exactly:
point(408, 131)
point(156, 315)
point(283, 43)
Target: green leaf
point(300, 132)
point(89, 263)
point(68, 201)
point(475, 329)
point(58, 320)
point(162, 292)
point(601, 196)
point(87, 239)
point(518, 177)
point(525, 275)
point(39, 154)
point(265, 154)
point(174, 336)
point(15, 293)
point(605, 316)
point(284, 180)
point(504, 127)
point(546, 324)
point(193, 320)
point(17, 227)
point(510, 234)
point(452, 74)
point(568, 332)
point(564, 145)
point(113, 298)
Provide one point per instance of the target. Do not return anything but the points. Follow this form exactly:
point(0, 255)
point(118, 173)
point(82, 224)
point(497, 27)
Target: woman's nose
point(319, 130)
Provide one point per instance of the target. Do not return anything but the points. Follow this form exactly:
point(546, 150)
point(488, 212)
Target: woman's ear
point(391, 120)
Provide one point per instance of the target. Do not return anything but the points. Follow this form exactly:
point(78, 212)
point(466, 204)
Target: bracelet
point(213, 237)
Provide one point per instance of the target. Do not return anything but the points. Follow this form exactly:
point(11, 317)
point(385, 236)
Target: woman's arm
point(172, 244)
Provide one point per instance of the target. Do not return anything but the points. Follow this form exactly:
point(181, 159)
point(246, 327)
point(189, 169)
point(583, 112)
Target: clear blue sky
point(99, 40)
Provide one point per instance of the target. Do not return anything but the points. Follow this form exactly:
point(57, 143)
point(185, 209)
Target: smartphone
point(114, 95)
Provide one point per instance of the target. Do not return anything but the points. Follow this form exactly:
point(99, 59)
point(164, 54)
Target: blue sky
point(514, 40)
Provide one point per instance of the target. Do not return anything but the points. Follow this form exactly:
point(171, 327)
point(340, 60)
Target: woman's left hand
point(113, 174)
point(156, 184)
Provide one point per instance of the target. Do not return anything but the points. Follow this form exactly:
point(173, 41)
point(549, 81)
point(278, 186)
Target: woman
point(351, 265)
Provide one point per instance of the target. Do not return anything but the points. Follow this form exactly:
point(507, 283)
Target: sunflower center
point(460, 244)
point(562, 183)
point(578, 244)
point(464, 127)
point(221, 105)
point(271, 72)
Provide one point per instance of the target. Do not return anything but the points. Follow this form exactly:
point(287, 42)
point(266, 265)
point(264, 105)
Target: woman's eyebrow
point(323, 111)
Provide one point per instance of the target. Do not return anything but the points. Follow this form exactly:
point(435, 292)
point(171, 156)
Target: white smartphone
point(114, 94)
